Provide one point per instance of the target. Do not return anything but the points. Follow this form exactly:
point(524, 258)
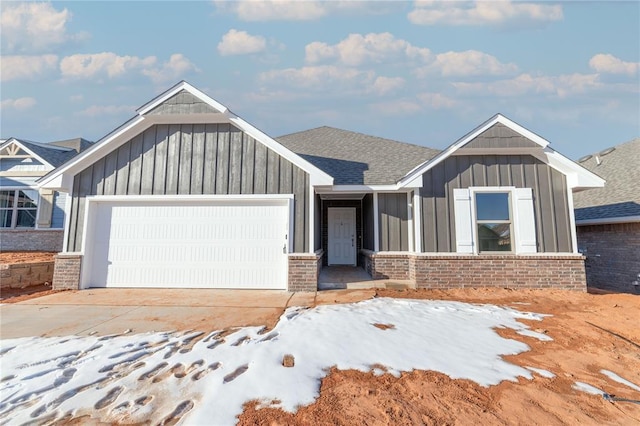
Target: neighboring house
point(32, 219)
point(608, 219)
point(188, 194)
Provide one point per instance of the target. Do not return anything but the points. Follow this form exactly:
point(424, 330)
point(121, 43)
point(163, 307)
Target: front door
point(342, 235)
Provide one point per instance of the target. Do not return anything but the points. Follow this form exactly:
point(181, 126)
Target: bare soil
point(14, 295)
point(590, 332)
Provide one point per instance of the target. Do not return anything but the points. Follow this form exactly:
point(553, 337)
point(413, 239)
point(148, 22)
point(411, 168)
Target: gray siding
point(183, 102)
point(500, 136)
point(367, 222)
point(318, 224)
point(57, 217)
point(549, 187)
point(393, 222)
point(192, 159)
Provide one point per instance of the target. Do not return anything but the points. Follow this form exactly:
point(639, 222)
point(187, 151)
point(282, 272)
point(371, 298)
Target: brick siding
point(509, 271)
point(304, 270)
point(31, 240)
point(20, 275)
point(613, 255)
point(66, 275)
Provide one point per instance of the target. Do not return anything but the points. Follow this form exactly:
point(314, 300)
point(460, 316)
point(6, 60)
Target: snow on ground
point(613, 376)
point(544, 373)
point(206, 379)
point(586, 387)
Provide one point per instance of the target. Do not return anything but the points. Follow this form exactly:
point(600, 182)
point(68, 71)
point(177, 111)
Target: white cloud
point(384, 85)
point(26, 67)
point(609, 64)
point(19, 104)
point(467, 63)
point(99, 64)
point(319, 77)
point(29, 27)
point(561, 86)
point(482, 12)
point(275, 10)
point(111, 65)
point(397, 107)
point(436, 100)
point(237, 42)
point(177, 66)
point(100, 110)
point(357, 49)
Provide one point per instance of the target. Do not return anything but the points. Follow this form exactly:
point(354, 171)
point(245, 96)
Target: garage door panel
point(195, 246)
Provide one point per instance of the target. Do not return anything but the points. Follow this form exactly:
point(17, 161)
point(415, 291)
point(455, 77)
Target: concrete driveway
point(114, 311)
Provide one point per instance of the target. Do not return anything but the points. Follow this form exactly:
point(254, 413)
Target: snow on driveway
point(206, 379)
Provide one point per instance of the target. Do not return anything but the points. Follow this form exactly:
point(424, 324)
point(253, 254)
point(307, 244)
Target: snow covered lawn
point(206, 379)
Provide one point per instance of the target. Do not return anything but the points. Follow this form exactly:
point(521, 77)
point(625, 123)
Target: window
point(18, 208)
point(493, 221)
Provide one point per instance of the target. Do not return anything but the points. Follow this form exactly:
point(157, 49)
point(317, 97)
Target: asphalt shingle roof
point(620, 196)
point(354, 158)
point(53, 154)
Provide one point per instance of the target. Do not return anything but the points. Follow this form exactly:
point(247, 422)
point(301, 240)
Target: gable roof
point(354, 158)
point(620, 197)
point(52, 154)
point(577, 177)
point(148, 115)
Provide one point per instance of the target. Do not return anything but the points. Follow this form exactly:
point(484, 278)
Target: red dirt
point(14, 295)
point(590, 333)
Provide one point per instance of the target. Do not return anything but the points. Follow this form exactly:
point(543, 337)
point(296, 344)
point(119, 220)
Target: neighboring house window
point(494, 219)
point(18, 208)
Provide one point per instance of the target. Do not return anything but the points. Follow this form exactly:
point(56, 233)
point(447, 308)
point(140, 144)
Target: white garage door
point(187, 244)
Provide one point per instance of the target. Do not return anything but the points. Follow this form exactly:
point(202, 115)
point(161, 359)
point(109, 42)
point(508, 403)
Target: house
point(608, 219)
point(188, 194)
point(32, 218)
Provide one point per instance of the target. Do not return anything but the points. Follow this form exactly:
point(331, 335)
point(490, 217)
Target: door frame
point(355, 235)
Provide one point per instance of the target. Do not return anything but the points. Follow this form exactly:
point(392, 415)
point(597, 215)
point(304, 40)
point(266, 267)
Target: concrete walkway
point(354, 277)
point(114, 311)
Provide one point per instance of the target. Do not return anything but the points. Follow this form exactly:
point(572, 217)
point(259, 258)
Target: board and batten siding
point(551, 209)
point(184, 159)
point(393, 221)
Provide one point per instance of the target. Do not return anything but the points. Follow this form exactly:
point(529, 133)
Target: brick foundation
point(31, 240)
point(66, 275)
point(304, 270)
point(613, 255)
point(452, 271)
point(21, 275)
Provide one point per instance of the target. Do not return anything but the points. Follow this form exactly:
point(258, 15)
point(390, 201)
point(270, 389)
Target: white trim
point(417, 204)
point(411, 231)
point(14, 209)
point(311, 220)
point(68, 202)
point(572, 219)
point(606, 220)
point(578, 175)
point(195, 197)
point(367, 189)
point(376, 224)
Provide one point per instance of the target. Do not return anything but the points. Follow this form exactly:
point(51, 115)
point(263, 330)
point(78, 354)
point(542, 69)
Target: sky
point(424, 72)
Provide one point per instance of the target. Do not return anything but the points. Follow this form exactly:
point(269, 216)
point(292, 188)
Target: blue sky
point(420, 72)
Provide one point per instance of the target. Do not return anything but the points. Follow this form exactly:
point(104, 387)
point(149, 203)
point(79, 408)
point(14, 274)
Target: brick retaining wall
point(66, 275)
point(31, 239)
point(454, 271)
point(613, 255)
point(304, 270)
point(20, 275)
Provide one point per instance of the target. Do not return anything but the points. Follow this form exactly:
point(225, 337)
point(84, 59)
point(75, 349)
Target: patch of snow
point(169, 377)
point(544, 373)
point(530, 333)
point(613, 376)
point(585, 387)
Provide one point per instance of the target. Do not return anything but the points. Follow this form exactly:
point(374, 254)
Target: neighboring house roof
point(354, 158)
point(619, 200)
point(55, 153)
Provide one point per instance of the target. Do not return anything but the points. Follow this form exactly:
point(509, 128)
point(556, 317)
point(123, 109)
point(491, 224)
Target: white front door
point(342, 235)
